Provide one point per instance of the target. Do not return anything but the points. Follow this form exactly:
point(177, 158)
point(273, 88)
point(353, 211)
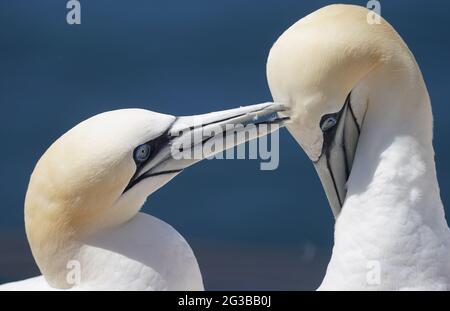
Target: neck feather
point(393, 214)
point(394, 167)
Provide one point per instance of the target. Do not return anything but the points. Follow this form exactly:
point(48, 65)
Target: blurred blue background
point(250, 229)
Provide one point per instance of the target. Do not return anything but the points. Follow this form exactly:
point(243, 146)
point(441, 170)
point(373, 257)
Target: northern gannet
point(84, 196)
point(361, 112)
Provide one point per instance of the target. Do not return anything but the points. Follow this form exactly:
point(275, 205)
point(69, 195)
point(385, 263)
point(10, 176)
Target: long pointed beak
point(335, 164)
point(188, 135)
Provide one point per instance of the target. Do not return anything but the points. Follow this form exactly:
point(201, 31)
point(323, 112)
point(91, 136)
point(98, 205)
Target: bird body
point(361, 112)
point(144, 253)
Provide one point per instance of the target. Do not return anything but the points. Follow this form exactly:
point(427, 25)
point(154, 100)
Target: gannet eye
point(142, 153)
point(328, 123)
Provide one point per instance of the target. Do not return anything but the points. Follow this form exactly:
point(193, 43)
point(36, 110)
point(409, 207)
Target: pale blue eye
point(328, 123)
point(142, 153)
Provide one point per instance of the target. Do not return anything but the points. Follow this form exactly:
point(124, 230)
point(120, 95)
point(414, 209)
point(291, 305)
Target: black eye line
point(326, 117)
point(329, 134)
point(336, 115)
point(155, 145)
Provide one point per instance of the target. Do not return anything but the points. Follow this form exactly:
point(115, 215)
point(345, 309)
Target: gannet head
point(320, 68)
point(100, 172)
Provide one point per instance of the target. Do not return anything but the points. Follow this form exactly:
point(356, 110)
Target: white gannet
point(361, 112)
point(84, 196)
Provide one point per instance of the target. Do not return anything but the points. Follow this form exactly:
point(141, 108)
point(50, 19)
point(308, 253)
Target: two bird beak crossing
point(191, 139)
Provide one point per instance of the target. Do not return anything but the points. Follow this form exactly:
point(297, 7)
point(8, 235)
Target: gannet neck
point(143, 254)
point(393, 215)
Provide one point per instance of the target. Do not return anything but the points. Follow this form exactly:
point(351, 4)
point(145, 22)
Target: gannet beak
point(335, 163)
point(182, 144)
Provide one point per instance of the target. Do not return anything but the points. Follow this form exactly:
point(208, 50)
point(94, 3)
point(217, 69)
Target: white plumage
point(145, 253)
point(377, 163)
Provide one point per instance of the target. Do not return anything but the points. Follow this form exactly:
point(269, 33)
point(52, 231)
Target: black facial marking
point(328, 138)
point(334, 181)
point(155, 146)
point(353, 115)
point(328, 135)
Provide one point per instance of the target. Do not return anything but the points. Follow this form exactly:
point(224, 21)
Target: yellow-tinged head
point(99, 174)
point(328, 68)
point(318, 61)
